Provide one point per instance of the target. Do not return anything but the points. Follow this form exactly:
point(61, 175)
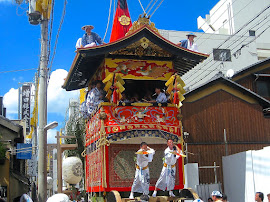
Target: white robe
point(167, 176)
point(79, 44)
point(142, 178)
point(192, 47)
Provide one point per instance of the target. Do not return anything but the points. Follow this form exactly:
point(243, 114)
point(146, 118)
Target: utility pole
point(42, 134)
point(39, 13)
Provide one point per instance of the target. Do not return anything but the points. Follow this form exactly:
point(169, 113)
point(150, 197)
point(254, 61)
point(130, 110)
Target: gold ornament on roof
point(142, 21)
point(124, 20)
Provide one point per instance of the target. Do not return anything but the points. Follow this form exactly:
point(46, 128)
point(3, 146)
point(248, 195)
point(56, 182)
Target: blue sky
point(20, 47)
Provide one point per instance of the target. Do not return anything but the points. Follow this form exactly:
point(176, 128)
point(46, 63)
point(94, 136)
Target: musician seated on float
point(135, 98)
point(161, 97)
point(89, 39)
point(124, 99)
point(95, 97)
point(147, 96)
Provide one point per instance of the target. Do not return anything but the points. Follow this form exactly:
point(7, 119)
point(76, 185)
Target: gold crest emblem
point(124, 20)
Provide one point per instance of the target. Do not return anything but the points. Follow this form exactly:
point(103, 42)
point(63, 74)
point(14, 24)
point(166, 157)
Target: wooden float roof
point(142, 44)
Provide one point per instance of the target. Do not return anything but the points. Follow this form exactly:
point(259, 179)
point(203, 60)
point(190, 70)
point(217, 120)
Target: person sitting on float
point(95, 97)
point(135, 98)
point(89, 39)
point(161, 97)
point(189, 42)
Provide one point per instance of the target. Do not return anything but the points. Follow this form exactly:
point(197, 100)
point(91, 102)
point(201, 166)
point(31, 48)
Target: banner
point(25, 106)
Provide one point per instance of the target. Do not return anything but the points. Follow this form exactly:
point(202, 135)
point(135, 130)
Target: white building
point(241, 17)
point(241, 27)
point(246, 173)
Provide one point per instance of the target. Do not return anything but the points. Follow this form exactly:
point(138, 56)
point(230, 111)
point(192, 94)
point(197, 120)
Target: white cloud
point(51, 136)
point(11, 103)
point(58, 98)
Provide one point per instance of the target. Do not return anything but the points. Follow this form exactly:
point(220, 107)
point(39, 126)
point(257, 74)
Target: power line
point(151, 7)
point(216, 69)
point(51, 28)
point(220, 27)
point(245, 25)
point(108, 22)
point(148, 5)
point(57, 36)
point(142, 6)
point(157, 7)
point(18, 70)
point(226, 21)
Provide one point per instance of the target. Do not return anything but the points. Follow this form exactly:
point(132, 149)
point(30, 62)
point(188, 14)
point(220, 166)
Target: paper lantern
point(72, 170)
point(49, 182)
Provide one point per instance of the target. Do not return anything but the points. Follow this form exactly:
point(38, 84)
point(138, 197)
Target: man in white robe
point(167, 176)
point(94, 97)
point(142, 178)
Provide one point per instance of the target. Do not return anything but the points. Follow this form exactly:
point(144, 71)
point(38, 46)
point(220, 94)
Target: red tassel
point(175, 98)
point(115, 97)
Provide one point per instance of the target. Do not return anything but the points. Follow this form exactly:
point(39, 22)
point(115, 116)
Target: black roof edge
point(255, 65)
point(263, 102)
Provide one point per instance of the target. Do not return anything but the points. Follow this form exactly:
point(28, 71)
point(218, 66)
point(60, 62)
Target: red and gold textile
point(122, 21)
point(139, 69)
point(125, 122)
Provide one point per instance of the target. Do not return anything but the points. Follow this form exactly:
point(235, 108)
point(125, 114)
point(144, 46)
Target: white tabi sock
point(171, 194)
point(131, 196)
point(154, 194)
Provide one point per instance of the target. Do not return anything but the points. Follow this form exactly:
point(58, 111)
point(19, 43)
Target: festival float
point(136, 62)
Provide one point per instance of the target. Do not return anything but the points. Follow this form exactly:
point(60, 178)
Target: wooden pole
point(59, 164)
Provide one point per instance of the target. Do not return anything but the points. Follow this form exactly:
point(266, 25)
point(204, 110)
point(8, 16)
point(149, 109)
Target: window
point(263, 86)
point(142, 88)
point(251, 33)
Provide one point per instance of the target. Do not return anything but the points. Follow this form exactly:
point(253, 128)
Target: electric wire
point(230, 38)
point(215, 13)
point(57, 36)
point(142, 6)
point(51, 28)
point(151, 7)
point(18, 70)
point(226, 21)
point(156, 8)
point(236, 40)
point(216, 67)
point(108, 21)
point(148, 5)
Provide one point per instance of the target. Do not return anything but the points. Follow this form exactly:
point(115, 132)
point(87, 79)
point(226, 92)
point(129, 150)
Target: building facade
point(224, 117)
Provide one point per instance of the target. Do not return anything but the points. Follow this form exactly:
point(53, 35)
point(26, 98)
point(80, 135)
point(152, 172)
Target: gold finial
point(142, 21)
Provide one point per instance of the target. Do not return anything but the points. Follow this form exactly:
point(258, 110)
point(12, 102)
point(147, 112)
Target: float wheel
point(114, 196)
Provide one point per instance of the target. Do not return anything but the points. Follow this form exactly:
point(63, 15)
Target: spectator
point(259, 196)
point(268, 196)
point(224, 198)
point(217, 196)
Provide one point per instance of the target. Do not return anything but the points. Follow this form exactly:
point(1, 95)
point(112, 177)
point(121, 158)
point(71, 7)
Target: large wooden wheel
point(114, 196)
